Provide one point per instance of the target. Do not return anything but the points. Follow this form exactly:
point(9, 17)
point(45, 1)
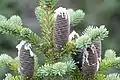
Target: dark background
point(98, 12)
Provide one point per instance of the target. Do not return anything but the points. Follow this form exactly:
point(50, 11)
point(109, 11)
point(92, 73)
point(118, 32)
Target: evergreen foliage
point(7, 61)
point(113, 76)
point(58, 65)
point(10, 77)
point(57, 69)
point(110, 61)
point(75, 16)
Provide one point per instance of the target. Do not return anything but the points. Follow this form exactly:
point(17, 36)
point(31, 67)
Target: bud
point(26, 59)
point(61, 28)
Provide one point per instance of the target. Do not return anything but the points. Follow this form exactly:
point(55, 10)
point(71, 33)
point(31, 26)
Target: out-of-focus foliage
point(75, 16)
point(113, 76)
point(110, 61)
point(10, 77)
point(7, 61)
point(9, 7)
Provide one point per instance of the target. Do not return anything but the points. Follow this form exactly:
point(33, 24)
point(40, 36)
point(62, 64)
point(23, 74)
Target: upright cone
point(26, 60)
point(91, 59)
point(61, 28)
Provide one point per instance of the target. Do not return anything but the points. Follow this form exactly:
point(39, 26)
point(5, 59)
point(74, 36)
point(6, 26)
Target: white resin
point(72, 35)
point(26, 47)
point(85, 57)
point(62, 11)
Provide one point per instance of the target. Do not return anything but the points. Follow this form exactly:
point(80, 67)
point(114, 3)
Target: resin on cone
point(26, 59)
point(90, 62)
point(73, 36)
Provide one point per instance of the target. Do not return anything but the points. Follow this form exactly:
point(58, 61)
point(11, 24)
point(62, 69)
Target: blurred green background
point(98, 12)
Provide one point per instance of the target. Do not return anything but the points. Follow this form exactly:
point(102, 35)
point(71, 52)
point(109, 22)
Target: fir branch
point(10, 77)
point(100, 77)
point(76, 75)
point(7, 61)
point(57, 69)
point(45, 16)
point(69, 48)
point(14, 21)
point(36, 66)
point(13, 27)
point(96, 33)
point(22, 34)
point(91, 35)
point(47, 2)
point(82, 41)
point(110, 53)
point(39, 12)
point(110, 61)
point(3, 20)
point(28, 35)
point(68, 60)
point(75, 16)
point(113, 76)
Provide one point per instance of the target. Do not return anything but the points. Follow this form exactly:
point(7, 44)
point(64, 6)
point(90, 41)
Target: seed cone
point(90, 63)
point(88, 59)
point(26, 61)
point(61, 28)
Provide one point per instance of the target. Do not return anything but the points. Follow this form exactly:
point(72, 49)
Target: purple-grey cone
point(61, 28)
point(26, 60)
point(90, 62)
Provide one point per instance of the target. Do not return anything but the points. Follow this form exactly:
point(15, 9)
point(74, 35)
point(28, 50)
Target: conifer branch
point(10, 77)
point(91, 35)
point(7, 61)
point(57, 69)
point(75, 16)
point(45, 15)
point(113, 76)
point(110, 61)
point(96, 33)
point(36, 66)
point(76, 75)
point(13, 26)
